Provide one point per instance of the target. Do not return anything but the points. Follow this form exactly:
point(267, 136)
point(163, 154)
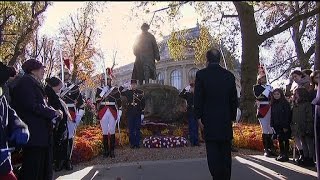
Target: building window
point(160, 78)
point(192, 74)
point(176, 79)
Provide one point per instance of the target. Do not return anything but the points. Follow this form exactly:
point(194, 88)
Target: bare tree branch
point(280, 28)
point(292, 65)
point(311, 50)
point(280, 64)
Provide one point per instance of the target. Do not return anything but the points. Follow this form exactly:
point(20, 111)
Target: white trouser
point(108, 123)
point(72, 126)
point(265, 123)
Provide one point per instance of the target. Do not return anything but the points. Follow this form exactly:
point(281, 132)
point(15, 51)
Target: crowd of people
point(288, 114)
point(38, 119)
point(40, 116)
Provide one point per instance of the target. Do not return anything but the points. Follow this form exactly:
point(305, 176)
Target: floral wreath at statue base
point(164, 142)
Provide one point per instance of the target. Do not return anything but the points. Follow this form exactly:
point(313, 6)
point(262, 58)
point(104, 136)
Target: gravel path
point(126, 154)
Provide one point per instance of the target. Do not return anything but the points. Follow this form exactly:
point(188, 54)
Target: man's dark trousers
point(219, 158)
point(134, 120)
point(193, 129)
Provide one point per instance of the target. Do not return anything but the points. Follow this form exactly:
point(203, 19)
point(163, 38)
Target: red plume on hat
point(109, 73)
point(261, 71)
point(67, 63)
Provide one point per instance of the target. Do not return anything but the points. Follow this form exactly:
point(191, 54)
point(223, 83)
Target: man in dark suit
point(215, 104)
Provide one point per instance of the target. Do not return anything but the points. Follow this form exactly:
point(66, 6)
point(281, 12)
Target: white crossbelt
point(263, 102)
point(71, 105)
point(108, 103)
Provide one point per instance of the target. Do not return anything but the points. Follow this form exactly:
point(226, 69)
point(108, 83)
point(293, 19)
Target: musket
point(67, 89)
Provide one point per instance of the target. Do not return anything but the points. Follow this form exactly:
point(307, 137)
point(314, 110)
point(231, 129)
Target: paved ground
point(244, 167)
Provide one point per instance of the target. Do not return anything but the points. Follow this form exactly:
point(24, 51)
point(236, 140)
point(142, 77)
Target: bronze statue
point(146, 51)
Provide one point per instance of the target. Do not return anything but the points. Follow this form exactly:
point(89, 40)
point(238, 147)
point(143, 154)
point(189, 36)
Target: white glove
point(79, 116)
point(126, 86)
point(238, 115)
point(142, 117)
point(187, 88)
point(119, 115)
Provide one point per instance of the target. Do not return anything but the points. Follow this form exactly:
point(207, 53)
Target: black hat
point(145, 26)
point(133, 81)
point(4, 73)
point(12, 71)
point(31, 65)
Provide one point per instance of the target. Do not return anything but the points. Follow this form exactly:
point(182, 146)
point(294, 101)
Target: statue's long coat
point(146, 51)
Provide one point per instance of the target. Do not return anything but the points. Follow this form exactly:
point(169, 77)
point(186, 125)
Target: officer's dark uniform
point(136, 103)
point(192, 121)
point(75, 102)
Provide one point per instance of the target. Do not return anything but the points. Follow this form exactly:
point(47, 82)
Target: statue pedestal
point(163, 104)
point(156, 128)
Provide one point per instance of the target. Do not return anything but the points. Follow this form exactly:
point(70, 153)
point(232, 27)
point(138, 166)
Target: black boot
point(105, 142)
point(265, 145)
point(59, 165)
point(284, 148)
point(70, 149)
point(112, 145)
point(281, 146)
point(300, 161)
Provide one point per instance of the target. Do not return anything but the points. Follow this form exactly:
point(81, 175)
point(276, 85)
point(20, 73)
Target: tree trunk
point(301, 55)
point(250, 59)
point(317, 49)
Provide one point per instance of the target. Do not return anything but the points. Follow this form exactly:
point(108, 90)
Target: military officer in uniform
point(72, 97)
point(188, 93)
point(136, 103)
point(108, 102)
point(262, 91)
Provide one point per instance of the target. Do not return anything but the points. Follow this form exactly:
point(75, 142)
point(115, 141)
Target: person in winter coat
point(31, 106)
point(302, 80)
point(302, 127)
point(280, 122)
point(216, 110)
point(60, 131)
point(12, 129)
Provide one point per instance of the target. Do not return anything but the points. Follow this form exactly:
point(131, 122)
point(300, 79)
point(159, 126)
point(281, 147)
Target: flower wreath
point(164, 142)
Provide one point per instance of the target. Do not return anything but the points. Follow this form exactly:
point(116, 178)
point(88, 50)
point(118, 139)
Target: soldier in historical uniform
point(262, 92)
point(146, 51)
point(108, 102)
point(136, 104)
point(75, 103)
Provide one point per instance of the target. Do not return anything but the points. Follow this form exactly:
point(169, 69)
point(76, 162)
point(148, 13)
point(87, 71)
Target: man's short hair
point(213, 55)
